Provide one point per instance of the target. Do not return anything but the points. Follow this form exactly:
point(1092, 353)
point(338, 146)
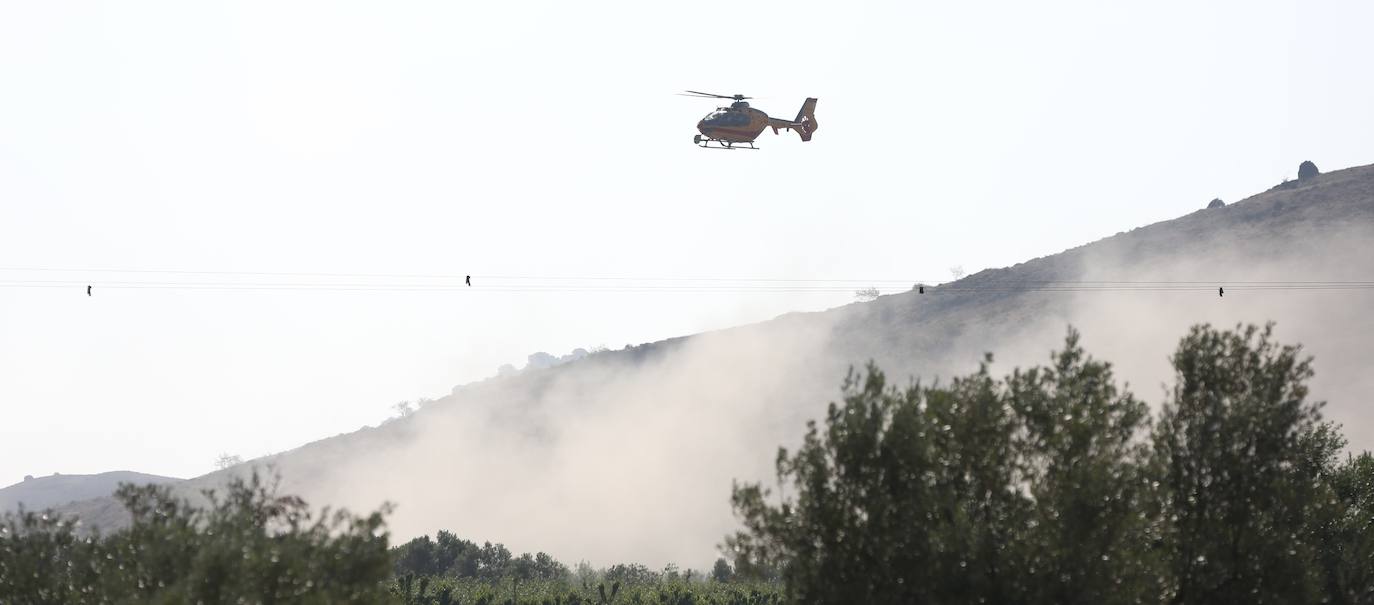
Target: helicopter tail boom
point(805, 124)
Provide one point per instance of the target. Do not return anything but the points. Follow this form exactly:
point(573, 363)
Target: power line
point(451, 276)
point(175, 279)
point(740, 289)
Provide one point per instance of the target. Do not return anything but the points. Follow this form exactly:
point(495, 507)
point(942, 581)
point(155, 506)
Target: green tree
point(721, 571)
point(1340, 521)
point(905, 496)
point(1053, 486)
point(1241, 454)
point(1083, 465)
point(493, 560)
point(246, 545)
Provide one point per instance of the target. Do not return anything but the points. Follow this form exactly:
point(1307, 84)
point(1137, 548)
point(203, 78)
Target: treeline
point(450, 556)
point(1050, 485)
point(1054, 485)
point(443, 590)
point(245, 545)
point(446, 570)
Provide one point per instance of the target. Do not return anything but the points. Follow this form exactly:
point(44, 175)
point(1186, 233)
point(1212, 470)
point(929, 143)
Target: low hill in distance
point(56, 490)
point(629, 455)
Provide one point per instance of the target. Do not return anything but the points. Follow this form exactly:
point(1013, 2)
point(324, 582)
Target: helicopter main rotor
point(708, 95)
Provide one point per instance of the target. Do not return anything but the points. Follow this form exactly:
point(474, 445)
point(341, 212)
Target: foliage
point(449, 555)
point(1076, 443)
point(1238, 447)
point(1053, 486)
point(1050, 485)
point(424, 575)
point(721, 571)
point(226, 460)
point(1343, 534)
point(442, 590)
point(1216, 203)
point(248, 545)
point(629, 573)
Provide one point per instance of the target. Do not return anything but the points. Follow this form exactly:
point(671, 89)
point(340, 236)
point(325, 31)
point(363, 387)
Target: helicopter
point(740, 124)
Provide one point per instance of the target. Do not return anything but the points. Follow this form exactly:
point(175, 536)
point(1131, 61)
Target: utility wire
point(175, 279)
point(449, 276)
point(534, 289)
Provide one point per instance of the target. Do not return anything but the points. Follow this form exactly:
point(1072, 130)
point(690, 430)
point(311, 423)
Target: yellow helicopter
point(740, 124)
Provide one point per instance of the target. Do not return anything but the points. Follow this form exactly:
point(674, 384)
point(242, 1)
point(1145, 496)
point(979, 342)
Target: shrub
point(866, 294)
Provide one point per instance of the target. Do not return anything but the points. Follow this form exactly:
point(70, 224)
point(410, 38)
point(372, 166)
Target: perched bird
point(88, 290)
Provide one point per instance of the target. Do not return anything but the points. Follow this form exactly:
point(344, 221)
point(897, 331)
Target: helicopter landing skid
point(705, 143)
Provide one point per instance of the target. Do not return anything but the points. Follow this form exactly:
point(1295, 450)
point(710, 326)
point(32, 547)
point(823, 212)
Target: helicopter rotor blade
point(709, 94)
point(715, 96)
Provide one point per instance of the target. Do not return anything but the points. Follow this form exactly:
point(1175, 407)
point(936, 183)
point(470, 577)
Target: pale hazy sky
point(524, 138)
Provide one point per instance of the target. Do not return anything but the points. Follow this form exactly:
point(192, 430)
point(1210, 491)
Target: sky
point(545, 139)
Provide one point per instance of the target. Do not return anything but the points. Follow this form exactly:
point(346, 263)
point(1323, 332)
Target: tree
point(866, 294)
point(1053, 486)
point(630, 573)
point(227, 460)
point(721, 571)
point(1344, 532)
point(492, 560)
point(1236, 450)
point(418, 556)
point(247, 545)
point(1216, 203)
point(1307, 170)
point(1084, 465)
point(905, 496)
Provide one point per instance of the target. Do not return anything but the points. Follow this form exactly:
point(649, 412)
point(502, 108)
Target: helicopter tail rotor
point(806, 119)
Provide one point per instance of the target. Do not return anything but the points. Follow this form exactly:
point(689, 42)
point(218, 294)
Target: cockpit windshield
point(723, 117)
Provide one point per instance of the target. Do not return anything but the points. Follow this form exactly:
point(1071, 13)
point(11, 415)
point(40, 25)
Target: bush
point(1216, 203)
point(866, 294)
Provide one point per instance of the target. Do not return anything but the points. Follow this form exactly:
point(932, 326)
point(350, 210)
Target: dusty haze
point(629, 455)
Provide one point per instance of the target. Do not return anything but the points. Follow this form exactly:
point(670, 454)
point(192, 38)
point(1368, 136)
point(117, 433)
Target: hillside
point(630, 454)
point(56, 490)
